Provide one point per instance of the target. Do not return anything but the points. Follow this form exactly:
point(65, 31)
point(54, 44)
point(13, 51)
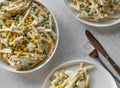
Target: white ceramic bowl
point(11, 69)
point(105, 23)
point(99, 77)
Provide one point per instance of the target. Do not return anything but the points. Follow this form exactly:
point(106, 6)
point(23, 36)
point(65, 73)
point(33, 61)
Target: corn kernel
point(26, 20)
point(9, 34)
point(13, 23)
point(29, 23)
point(30, 17)
point(19, 49)
point(32, 40)
point(22, 46)
point(35, 36)
point(28, 56)
point(21, 26)
point(19, 53)
point(7, 40)
point(16, 23)
point(36, 41)
point(42, 14)
point(25, 49)
point(14, 37)
point(49, 41)
point(14, 43)
point(11, 39)
point(30, 20)
point(60, 86)
point(8, 23)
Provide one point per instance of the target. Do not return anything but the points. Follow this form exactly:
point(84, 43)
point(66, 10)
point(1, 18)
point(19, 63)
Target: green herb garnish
point(1, 25)
point(48, 26)
point(6, 34)
point(26, 27)
point(13, 47)
point(3, 10)
point(27, 64)
point(87, 10)
point(81, 5)
point(29, 38)
point(34, 8)
point(51, 78)
point(16, 18)
point(17, 43)
point(8, 45)
point(25, 42)
point(44, 52)
point(43, 20)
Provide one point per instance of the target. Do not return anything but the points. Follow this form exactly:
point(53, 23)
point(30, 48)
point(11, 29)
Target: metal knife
point(99, 47)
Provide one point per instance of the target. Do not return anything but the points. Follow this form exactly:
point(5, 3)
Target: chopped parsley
point(44, 52)
point(26, 27)
point(13, 47)
point(51, 78)
point(48, 26)
point(3, 10)
point(25, 42)
point(8, 45)
point(34, 8)
point(16, 18)
point(1, 25)
point(27, 64)
point(87, 10)
point(43, 20)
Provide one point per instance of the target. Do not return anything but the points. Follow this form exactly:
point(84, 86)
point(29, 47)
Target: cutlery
point(94, 54)
point(99, 47)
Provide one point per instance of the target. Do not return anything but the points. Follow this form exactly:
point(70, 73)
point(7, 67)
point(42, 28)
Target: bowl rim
point(90, 23)
point(49, 58)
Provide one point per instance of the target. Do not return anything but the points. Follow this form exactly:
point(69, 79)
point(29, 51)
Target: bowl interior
point(105, 22)
point(41, 64)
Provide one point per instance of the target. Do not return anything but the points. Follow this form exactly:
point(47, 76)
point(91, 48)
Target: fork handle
point(117, 80)
point(114, 65)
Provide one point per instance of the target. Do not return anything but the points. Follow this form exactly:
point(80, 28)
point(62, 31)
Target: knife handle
point(114, 65)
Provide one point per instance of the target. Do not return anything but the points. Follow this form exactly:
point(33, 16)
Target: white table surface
point(71, 38)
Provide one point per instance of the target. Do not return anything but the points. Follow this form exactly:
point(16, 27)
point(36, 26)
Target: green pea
point(1, 25)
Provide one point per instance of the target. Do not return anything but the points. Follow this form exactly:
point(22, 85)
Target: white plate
point(105, 23)
point(99, 77)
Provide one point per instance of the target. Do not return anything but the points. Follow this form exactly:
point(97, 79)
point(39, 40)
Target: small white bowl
point(105, 23)
point(11, 69)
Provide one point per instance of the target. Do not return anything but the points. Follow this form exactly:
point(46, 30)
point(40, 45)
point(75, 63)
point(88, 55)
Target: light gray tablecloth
point(71, 38)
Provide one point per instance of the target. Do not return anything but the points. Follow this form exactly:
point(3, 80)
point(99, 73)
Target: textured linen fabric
point(72, 36)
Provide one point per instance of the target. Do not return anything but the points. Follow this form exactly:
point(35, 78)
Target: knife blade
point(100, 48)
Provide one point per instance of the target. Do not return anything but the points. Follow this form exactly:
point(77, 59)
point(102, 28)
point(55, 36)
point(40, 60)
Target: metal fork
point(94, 54)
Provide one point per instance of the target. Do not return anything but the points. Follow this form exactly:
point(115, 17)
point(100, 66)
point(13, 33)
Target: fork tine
point(88, 47)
